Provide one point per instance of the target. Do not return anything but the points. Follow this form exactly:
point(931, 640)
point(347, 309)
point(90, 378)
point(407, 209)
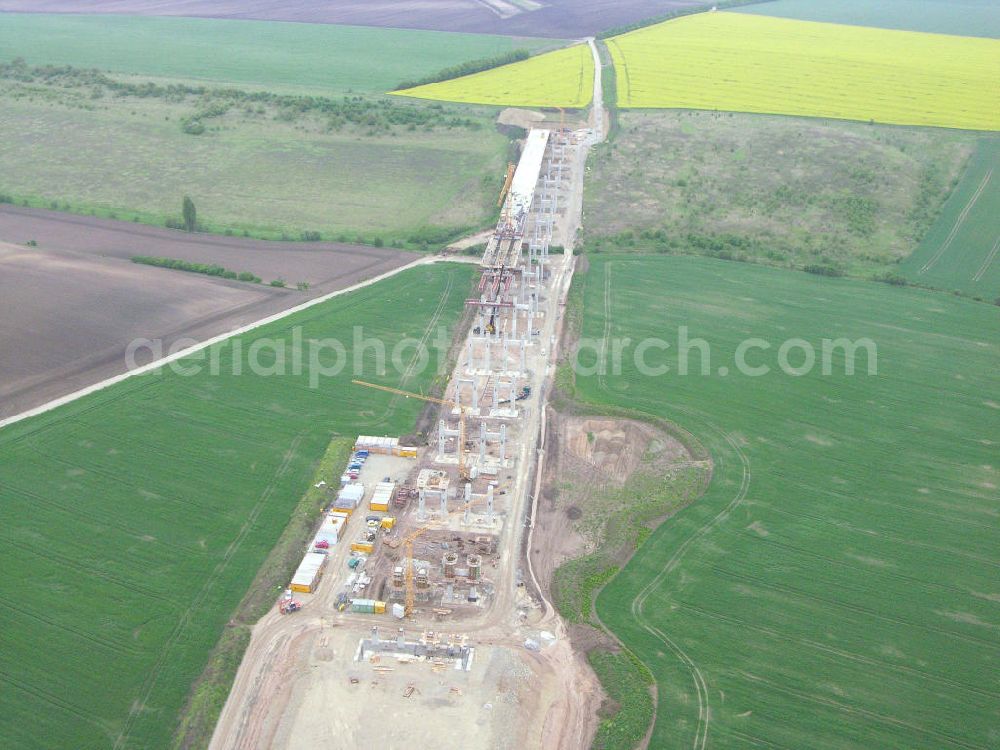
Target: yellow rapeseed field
point(563, 78)
point(746, 63)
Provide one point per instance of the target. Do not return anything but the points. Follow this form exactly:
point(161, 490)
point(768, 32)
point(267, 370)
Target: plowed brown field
point(72, 304)
point(556, 18)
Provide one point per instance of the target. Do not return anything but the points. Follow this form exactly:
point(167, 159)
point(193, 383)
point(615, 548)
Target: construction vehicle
point(288, 605)
point(524, 393)
point(463, 470)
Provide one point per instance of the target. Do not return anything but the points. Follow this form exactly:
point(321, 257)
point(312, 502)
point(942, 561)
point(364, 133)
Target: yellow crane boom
point(462, 469)
point(408, 547)
point(508, 179)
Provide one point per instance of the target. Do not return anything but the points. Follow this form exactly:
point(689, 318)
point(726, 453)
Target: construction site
point(421, 530)
point(416, 583)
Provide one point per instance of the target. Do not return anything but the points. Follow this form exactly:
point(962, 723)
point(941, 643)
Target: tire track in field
point(94, 572)
point(251, 519)
point(602, 365)
point(638, 604)
point(97, 520)
point(835, 604)
point(860, 658)
point(859, 712)
point(408, 373)
point(112, 646)
point(988, 262)
point(87, 717)
point(627, 99)
point(958, 224)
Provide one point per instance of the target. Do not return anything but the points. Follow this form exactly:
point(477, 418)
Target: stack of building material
point(365, 543)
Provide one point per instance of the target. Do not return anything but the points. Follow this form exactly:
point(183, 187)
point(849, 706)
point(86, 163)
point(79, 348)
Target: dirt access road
point(299, 681)
point(72, 304)
point(551, 18)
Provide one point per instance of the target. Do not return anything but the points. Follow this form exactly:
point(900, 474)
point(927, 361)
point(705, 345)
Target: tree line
point(467, 68)
point(373, 113)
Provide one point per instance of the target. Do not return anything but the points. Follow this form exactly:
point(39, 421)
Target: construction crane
point(511, 167)
point(410, 595)
point(463, 471)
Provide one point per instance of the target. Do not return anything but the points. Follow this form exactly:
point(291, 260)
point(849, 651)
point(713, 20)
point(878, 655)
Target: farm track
point(69, 398)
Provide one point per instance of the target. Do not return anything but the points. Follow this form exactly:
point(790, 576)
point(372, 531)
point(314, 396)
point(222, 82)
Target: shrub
point(893, 279)
point(278, 283)
point(192, 127)
point(208, 269)
point(823, 270)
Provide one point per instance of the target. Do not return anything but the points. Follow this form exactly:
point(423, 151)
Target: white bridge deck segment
point(504, 247)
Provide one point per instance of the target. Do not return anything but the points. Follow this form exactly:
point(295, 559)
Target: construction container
point(363, 545)
point(354, 492)
point(307, 575)
point(384, 492)
point(405, 452)
point(343, 507)
point(332, 529)
point(368, 606)
point(383, 445)
point(388, 522)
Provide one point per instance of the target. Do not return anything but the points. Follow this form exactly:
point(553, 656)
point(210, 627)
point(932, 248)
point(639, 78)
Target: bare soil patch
point(72, 304)
point(555, 18)
point(590, 457)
